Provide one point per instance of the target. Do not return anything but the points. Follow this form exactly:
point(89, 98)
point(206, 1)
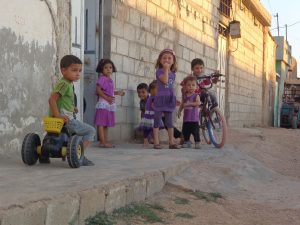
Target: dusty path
point(258, 178)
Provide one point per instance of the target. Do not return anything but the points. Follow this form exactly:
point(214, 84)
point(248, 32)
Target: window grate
point(225, 6)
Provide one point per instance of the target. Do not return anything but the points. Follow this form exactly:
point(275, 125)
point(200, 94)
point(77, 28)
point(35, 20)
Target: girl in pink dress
point(106, 106)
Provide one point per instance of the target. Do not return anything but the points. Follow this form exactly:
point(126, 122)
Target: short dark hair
point(190, 78)
point(197, 61)
point(102, 63)
point(142, 86)
point(68, 60)
point(152, 85)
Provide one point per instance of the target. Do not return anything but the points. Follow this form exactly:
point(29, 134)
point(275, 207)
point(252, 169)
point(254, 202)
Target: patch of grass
point(181, 201)
point(101, 218)
point(184, 215)
point(156, 206)
point(207, 196)
point(144, 211)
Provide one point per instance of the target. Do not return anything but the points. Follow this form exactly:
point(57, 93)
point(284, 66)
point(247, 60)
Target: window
point(225, 6)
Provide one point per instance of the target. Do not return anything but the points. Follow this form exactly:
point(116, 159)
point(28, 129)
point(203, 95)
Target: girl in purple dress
point(165, 100)
point(106, 106)
point(190, 105)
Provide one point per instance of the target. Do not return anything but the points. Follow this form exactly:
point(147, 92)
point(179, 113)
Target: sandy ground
point(258, 178)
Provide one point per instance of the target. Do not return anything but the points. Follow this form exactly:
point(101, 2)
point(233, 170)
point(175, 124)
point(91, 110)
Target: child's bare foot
point(146, 143)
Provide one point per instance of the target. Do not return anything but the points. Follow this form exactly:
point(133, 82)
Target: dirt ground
point(258, 179)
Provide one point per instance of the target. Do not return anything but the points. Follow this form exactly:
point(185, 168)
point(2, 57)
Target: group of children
point(157, 102)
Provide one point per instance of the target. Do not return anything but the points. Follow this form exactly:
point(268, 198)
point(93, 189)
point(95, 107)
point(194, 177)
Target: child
point(190, 104)
point(61, 103)
point(165, 100)
point(142, 90)
point(197, 66)
point(148, 117)
point(106, 106)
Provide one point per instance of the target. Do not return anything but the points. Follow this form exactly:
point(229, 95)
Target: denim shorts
point(81, 129)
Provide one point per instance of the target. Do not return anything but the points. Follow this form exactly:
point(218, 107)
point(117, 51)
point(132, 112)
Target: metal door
point(222, 63)
point(91, 56)
point(77, 47)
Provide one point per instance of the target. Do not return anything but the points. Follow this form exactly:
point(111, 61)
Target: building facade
point(230, 36)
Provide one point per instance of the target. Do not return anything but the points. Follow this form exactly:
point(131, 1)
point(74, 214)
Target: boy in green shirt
point(61, 102)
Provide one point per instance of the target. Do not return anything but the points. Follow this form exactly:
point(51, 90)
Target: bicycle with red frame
point(212, 121)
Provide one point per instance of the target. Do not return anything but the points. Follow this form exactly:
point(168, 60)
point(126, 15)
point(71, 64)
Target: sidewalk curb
point(74, 208)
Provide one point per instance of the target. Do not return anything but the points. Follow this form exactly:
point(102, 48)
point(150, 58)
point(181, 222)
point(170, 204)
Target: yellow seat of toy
point(53, 125)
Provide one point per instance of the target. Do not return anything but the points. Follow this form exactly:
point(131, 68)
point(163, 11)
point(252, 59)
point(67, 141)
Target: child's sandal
point(174, 146)
point(157, 146)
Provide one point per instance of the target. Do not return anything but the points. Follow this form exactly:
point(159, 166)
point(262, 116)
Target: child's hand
point(179, 114)
point(110, 99)
point(121, 93)
point(65, 118)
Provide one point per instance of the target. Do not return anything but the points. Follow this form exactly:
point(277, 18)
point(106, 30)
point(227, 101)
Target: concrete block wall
point(140, 29)
point(246, 71)
point(31, 44)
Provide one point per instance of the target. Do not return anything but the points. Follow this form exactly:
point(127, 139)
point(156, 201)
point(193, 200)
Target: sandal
point(106, 146)
point(174, 146)
point(158, 146)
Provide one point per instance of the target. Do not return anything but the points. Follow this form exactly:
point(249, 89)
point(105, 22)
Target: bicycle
point(212, 120)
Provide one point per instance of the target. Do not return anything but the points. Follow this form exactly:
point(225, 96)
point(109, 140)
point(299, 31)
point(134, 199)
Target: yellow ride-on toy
point(58, 143)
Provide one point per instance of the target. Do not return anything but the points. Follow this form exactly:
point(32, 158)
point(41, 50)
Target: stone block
point(131, 3)
point(186, 54)
point(133, 82)
point(140, 36)
point(127, 132)
point(151, 9)
point(134, 17)
point(31, 214)
point(145, 54)
point(142, 6)
point(150, 40)
point(120, 115)
point(128, 65)
point(91, 202)
point(127, 99)
point(146, 22)
point(154, 56)
point(129, 32)
point(122, 46)
point(114, 133)
point(150, 70)
point(155, 183)
point(117, 27)
point(117, 60)
point(182, 39)
point(139, 68)
point(134, 50)
point(121, 81)
point(161, 15)
point(132, 114)
point(115, 196)
point(113, 44)
point(160, 43)
point(165, 4)
point(135, 190)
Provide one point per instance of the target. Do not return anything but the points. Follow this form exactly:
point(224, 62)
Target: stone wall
point(140, 29)
point(246, 72)
point(33, 36)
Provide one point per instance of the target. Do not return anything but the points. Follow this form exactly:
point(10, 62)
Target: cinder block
point(31, 214)
point(129, 32)
point(118, 61)
point(122, 46)
point(133, 82)
point(91, 202)
point(134, 17)
point(63, 210)
point(115, 196)
point(139, 68)
point(150, 40)
point(121, 81)
point(135, 190)
point(127, 99)
point(128, 65)
point(186, 54)
point(140, 36)
point(134, 50)
point(155, 183)
point(117, 27)
point(145, 22)
point(120, 115)
point(113, 44)
point(142, 6)
point(145, 54)
point(127, 132)
point(131, 3)
point(151, 9)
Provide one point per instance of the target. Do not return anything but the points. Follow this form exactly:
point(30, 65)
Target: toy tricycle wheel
point(29, 148)
point(75, 151)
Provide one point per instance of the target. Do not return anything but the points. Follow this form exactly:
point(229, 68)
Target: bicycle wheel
point(217, 128)
point(204, 130)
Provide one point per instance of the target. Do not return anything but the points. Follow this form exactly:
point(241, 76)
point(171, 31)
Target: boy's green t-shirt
point(65, 103)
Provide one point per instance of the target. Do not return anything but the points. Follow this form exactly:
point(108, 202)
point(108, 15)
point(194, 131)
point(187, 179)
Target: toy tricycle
point(58, 143)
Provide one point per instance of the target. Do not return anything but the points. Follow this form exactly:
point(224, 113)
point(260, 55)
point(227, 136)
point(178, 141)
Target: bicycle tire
point(204, 130)
point(218, 127)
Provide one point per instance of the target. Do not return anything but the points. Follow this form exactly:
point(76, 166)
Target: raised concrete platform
point(57, 195)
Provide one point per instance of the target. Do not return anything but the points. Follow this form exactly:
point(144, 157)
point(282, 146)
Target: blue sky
point(288, 12)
